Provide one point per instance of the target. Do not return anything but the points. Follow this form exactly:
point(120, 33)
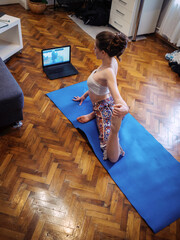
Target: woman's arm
point(120, 107)
point(112, 85)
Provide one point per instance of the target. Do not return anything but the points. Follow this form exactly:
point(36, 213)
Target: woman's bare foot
point(122, 151)
point(86, 118)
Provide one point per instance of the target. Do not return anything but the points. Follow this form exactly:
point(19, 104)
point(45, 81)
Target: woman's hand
point(82, 98)
point(79, 99)
point(120, 110)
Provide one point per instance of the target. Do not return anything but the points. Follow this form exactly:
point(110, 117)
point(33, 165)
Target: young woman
point(108, 106)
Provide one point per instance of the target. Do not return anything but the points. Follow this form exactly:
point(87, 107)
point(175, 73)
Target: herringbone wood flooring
point(52, 187)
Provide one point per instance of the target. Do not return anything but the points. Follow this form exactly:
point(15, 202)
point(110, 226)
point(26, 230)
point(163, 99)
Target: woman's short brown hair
point(113, 44)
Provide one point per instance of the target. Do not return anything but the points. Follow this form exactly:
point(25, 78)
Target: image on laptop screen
point(56, 55)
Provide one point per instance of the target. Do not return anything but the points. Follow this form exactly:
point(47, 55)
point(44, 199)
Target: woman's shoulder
point(109, 73)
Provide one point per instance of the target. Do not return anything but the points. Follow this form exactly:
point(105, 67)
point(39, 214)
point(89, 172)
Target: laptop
point(56, 62)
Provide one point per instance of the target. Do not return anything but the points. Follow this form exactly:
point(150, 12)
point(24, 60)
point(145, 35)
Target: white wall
point(3, 2)
point(22, 2)
point(163, 11)
point(50, 2)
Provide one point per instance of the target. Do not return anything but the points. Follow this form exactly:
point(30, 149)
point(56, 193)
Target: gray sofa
point(11, 98)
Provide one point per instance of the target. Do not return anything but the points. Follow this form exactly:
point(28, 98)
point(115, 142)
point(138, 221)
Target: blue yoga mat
point(148, 174)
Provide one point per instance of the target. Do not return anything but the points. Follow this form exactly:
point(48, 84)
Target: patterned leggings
point(103, 112)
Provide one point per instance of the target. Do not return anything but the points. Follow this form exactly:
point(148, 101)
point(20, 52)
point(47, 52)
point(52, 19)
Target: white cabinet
point(10, 37)
point(123, 16)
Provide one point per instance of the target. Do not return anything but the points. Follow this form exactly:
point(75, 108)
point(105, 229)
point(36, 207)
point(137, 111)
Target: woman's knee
point(113, 159)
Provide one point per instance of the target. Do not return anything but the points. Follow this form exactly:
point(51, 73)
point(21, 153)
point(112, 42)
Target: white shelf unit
point(10, 37)
point(123, 16)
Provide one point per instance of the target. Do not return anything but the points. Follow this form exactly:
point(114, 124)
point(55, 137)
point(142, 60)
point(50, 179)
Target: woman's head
point(112, 44)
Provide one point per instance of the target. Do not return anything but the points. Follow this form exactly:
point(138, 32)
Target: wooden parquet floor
point(52, 187)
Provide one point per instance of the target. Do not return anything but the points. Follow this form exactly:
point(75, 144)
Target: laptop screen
point(54, 56)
